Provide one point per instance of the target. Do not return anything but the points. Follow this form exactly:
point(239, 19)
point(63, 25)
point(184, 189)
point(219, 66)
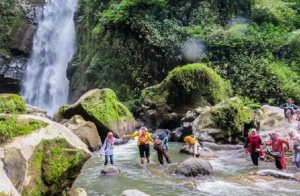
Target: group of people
point(161, 145)
point(277, 143)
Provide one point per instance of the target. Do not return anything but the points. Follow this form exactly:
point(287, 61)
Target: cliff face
point(17, 28)
point(128, 45)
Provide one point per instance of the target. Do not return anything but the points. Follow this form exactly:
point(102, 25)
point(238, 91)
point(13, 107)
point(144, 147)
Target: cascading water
point(45, 84)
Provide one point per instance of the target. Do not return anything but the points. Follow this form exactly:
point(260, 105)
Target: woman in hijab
point(295, 143)
point(108, 147)
point(165, 147)
point(277, 146)
point(255, 149)
point(194, 145)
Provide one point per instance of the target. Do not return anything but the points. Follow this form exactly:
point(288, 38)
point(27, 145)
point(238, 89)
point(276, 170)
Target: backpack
point(142, 139)
point(158, 145)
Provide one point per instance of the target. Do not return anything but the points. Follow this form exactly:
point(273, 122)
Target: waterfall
point(45, 84)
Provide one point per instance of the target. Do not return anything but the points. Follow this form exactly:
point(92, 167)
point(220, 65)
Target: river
point(232, 176)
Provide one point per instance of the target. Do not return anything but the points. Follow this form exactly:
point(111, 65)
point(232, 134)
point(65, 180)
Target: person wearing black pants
point(255, 149)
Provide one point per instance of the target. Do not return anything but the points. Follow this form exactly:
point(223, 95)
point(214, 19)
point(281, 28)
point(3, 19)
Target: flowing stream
point(232, 176)
point(45, 84)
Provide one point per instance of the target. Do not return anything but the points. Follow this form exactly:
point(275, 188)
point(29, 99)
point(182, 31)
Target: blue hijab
point(164, 134)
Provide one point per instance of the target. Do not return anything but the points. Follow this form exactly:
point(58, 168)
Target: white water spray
point(45, 84)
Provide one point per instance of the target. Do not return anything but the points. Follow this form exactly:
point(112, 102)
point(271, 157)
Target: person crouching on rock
point(277, 146)
point(161, 145)
point(194, 145)
point(295, 143)
point(290, 109)
point(143, 143)
point(108, 148)
point(255, 149)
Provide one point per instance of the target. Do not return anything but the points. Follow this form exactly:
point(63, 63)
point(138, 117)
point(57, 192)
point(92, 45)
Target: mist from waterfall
point(45, 84)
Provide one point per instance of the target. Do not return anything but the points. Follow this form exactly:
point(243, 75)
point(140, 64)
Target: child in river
point(108, 147)
point(194, 145)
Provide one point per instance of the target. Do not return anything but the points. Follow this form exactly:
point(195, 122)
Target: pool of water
point(232, 176)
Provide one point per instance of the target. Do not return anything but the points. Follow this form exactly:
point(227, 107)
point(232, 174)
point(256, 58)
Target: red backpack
point(142, 139)
point(158, 145)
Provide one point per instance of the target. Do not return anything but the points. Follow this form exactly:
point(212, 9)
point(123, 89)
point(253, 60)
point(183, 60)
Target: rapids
point(232, 176)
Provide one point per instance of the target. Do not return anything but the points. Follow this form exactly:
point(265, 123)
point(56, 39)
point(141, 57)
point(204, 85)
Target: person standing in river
point(277, 146)
point(108, 147)
point(290, 109)
point(295, 143)
point(255, 149)
point(194, 145)
point(164, 140)
point(143, 143)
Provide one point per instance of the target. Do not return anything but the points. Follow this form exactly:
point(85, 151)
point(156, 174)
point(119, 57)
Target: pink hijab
point(110, 138)
point(293, 134)
point(273, 136)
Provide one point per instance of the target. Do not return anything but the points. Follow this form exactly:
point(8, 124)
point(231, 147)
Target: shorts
point(144, 149)
point(292, 112)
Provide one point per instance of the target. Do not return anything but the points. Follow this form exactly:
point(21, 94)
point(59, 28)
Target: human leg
point(106, 160)
point(297, 112)
point(288, 115)
point(112, 159)
point(278, 164)
point(297, 159)
point(160, 157)
point(254, 158)
point(167, 155)
point(142, 153)
point(147, 151)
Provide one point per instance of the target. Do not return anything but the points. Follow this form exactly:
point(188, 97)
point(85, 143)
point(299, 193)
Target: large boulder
point(86, 131)
point(111, 170)
point(12, 104)
point(194, 166)
point(184, 88)
point(133, 192)
point(44, 161)
point(270, 118)
point(226, 122)
point(35, 111)
point(176, 134)
point(76, 192)
point(102, 108)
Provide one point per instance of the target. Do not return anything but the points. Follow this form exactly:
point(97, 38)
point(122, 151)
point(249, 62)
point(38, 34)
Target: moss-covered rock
point(226, 122)
point(12, 104)
point(54, 167)
point(102, 108)
point(13, 126)
point(45, 162)
point(183, 89)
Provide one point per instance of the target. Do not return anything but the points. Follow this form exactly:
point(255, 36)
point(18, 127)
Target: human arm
point(285, 142)
point(166, 142)
point(118, 140)
point(260, 141)
point(103, 147)
point(195, 149)
point(149, 137)
point(132, 135)
point(269, 143)
point(295, 106)
point(283, 106)
point(246, 143)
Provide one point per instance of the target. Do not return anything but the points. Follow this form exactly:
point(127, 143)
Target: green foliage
point(59, 115)
point(249, 103)
point(12, 104)
point(12, 127)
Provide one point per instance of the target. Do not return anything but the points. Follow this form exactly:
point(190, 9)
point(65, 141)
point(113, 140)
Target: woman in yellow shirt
point(143, 143)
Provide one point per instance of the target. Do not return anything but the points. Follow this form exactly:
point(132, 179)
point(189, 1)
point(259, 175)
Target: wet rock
point(277, 174)
point(270, 118)
point(133, 192)
point(186, 149)
point(176, 134)
point(6, 186)
point(86, 131)
point(186, 129)
point(111, 170)
point(194, 166)
point(139, 123)
point(189, 117)
point(156, 133)
point(36, 111)
point(76, 192)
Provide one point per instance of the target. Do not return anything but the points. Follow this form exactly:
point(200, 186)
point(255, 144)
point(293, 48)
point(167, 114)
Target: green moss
point(194, 84)
point(12, 104)
point(12, 126)
point(231, 115)
point(104, 106)
point(18, 23)
point(59, 115)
